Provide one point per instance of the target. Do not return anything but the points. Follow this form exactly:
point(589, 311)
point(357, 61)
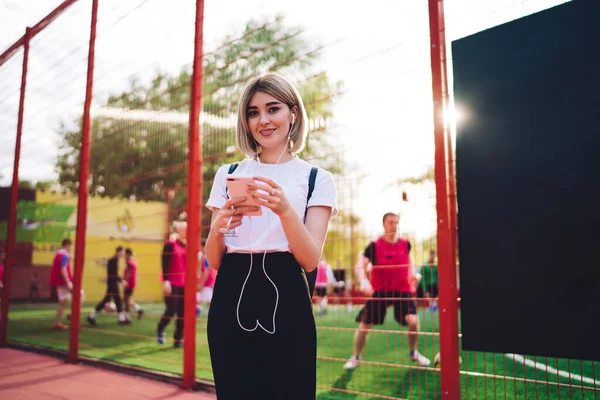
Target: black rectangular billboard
point(528, 184)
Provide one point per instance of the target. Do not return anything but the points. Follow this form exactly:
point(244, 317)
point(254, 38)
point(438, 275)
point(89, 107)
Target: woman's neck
point(274, 156)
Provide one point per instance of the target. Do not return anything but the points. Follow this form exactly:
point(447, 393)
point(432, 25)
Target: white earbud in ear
point(291, 126)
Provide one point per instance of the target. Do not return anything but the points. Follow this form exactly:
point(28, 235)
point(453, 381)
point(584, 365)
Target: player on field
point(392, 283)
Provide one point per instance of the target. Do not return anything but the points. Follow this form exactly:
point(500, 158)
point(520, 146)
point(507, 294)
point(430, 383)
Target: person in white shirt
point(261, 329)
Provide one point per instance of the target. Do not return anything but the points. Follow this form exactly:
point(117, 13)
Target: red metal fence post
point(193, 205)
point(448, 301)
point(11, 231)
point(170, 195)
point(84, 164)
point(37, 28)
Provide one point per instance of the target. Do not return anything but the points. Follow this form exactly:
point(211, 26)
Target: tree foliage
point(144, 150)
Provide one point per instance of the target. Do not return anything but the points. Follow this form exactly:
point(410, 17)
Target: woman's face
point(269, 120)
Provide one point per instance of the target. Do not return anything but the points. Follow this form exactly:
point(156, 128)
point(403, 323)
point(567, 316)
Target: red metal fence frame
point(11, 231)
point(444, 179)
point(194, 188)
point(12, 220)
point(37, 28)
point(84, 166)
point(446, 228)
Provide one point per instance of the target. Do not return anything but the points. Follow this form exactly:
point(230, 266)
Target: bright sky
point(380, 51)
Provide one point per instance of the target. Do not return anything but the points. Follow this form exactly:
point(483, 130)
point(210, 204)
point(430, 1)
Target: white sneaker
point(420, 359)
point(352, 363)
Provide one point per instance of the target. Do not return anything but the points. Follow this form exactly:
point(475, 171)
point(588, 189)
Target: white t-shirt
point(265, 233)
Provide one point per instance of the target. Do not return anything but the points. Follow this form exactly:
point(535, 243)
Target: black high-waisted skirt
point(248, 361)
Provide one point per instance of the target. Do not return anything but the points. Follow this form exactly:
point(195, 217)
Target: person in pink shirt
point(206, 283)
point(129, 283)
point(173, 277)
point(61, 278)
point(392, 283)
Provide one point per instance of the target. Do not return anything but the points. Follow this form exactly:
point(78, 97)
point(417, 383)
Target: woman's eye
point(252, 114)
point(273, 109)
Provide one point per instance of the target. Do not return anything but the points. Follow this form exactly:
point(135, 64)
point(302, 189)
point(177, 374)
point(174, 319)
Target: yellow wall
point(111, 223)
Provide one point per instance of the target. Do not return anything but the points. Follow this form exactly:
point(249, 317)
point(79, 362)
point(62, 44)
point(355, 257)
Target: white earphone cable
point(258, 324)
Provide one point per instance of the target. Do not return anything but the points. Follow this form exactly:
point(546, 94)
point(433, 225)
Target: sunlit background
point(378, 51)
point(364, 72)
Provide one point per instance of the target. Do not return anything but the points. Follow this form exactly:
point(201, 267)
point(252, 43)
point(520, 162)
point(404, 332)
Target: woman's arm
point(227, 217)
point(306, 239)
point(65, 276)
point(215, 244)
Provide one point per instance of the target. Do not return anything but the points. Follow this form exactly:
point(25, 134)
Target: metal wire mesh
point(366, 85)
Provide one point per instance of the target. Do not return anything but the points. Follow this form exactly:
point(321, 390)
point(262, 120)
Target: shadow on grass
point(146, 351)
point(340, 383)
point(418, 384)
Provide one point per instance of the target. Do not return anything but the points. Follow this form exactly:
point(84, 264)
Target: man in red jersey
point(392, 283)
point(61, 277)
point(173, 277)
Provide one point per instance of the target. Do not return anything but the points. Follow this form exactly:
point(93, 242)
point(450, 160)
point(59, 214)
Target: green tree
point(145, 151)
point(43, 185)
point(25, 184)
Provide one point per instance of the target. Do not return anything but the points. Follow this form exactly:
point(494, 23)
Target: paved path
point(28, 376)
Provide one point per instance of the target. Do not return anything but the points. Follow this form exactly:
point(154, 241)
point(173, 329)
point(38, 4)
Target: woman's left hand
point(270, 194)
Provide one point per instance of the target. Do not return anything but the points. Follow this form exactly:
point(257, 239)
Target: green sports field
point(385, 371)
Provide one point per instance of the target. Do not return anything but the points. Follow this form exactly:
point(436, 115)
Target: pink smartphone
point(236, 187)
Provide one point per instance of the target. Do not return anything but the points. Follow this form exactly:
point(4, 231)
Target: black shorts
point(321, 291)
point(128, 291)
point(432, 289)
point(373, 313)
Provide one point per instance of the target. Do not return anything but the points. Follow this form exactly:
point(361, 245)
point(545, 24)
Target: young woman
point(261, 329)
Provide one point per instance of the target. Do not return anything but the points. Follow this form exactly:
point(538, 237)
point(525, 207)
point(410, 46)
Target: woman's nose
point(264, 119)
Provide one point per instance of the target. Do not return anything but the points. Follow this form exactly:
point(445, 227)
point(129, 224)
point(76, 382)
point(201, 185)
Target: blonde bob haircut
point(278, 87)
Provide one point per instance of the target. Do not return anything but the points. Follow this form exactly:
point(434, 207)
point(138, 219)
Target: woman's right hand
point(230, 216)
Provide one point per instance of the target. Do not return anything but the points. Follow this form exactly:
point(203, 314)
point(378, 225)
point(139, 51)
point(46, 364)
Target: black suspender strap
point(311, 181)
point(311, 277)
point(232, 167)
point(312, 178)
